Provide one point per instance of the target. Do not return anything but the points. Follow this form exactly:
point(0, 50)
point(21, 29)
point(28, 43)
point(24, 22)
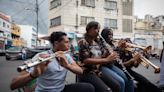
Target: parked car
point(15, 53)
point(41, 48)
point(37, 49)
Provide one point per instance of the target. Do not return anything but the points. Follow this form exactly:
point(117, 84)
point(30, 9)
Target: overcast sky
point(153, 7)
point(16, 9)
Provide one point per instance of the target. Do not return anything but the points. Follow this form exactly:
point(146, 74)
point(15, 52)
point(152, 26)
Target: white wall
point(153, 38)
point(26, 34)
point(6, 30)
point(43, 42)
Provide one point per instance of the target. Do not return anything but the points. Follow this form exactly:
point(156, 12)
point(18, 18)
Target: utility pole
point(37, 22)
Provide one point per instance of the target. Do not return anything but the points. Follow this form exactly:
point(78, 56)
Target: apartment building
point(160, 19)
point(15, 34)
point(71, 16)
point(29, 35)
point(149, 31)
point(5, 32)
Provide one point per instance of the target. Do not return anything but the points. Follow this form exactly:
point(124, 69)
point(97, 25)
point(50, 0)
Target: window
point(89, 3)
point(4, 24)
point(55, 3)
point(55, 21)
point(8, 26)
point(127, 7)
point(110, 5)
point(110, 23)
point(85, 20)
point(8, 36)
point(127, 25)
point(33, 42)
point(34, 30)
point(34, 35)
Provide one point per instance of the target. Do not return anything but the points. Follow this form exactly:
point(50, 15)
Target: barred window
point(34, 30)
point(33, 42)
point(55, 3)
point(127, 25)
point(110, 23)
point(8, 26)
point(127, 7)
point(55, 21)
point(85, 20)
point(89, 3)
point(4, 24)
point(110, 5)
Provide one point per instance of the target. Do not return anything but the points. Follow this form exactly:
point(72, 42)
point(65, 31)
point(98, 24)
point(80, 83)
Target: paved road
point(149, 73)
point(8, 71)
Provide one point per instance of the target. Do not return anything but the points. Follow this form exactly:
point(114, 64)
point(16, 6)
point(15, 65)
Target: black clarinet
point(110, 49)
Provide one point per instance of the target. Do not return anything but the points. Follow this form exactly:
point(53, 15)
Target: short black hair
point(105, 32)
point(56, 36)
point(92, 24)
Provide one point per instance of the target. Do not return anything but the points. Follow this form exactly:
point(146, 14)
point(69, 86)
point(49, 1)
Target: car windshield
point(14, 49)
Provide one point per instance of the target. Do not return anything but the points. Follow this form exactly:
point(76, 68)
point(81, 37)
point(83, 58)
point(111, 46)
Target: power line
point(63, 6)
point(25, 18)
point(16, 13)
point(22, 2)
point(41, 2)
point(43, 22)
point(21, 10)
point(32, 20)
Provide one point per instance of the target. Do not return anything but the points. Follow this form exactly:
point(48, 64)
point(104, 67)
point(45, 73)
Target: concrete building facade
point(28, 35)
point(160, 19)
point(16, 33)
point(5, 32)
point(148, 31)
point(73, 15)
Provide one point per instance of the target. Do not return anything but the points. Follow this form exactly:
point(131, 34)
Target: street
point(8, 71)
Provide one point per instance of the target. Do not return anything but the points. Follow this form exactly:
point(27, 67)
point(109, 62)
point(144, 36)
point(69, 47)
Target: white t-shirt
point(53, 79)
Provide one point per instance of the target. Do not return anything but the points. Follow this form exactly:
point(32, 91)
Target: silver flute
point(33, 62)
point(110, 49)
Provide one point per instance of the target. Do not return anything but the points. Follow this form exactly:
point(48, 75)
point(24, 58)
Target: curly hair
point(91, 25)
point(56, 36)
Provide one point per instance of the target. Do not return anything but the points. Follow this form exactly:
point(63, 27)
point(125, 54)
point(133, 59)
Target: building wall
point(5, 25)
point(160, 19)
point(43, 40)
point(15, 29)
point(141, 25)
point(29, 35)
point(153, 38)
point(16, 33)
point(5, 32)
point(150, 30)
point(71, 16)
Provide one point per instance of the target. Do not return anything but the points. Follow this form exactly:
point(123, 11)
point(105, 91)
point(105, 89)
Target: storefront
point(8, 44)
point(2, 45)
